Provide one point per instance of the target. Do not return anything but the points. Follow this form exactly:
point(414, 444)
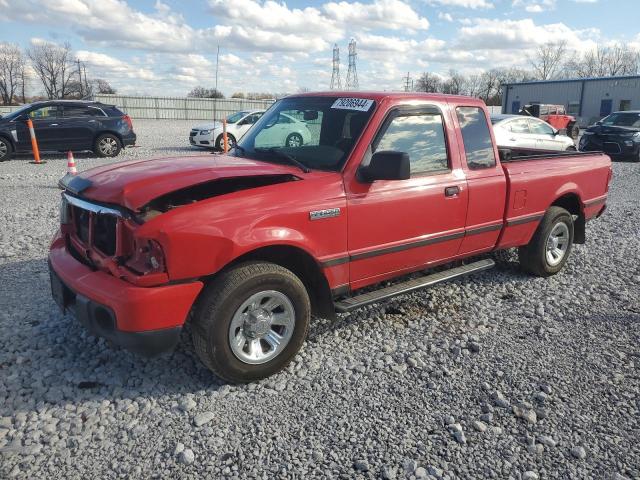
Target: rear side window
point(422, 137)
point(75, 111)
point(477, 139)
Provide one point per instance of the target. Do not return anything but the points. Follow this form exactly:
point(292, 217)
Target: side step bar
point(351, 303)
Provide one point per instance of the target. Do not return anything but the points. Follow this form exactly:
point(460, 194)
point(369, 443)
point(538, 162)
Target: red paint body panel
point(384, 229)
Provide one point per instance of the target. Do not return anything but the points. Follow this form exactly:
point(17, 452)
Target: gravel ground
point(500, 375)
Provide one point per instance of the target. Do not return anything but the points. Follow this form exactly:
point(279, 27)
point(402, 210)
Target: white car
point(209, 135)
point(283, 131)
point(518, 131)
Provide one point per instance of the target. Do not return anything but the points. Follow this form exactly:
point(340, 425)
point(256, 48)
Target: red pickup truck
point(247, 246)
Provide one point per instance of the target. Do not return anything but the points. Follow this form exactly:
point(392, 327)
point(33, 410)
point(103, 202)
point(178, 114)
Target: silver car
point(518, 131)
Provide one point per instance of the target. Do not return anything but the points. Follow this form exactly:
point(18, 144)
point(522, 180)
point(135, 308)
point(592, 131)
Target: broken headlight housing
point(147, 257)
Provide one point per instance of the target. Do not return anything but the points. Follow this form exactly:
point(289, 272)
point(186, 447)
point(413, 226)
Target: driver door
point(399, 225)
point(46, 123)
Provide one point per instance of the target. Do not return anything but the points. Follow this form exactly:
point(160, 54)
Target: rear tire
point(251, 321)
point(293, 140)
point(107, 146)
point(6, 150)
point(550, 246)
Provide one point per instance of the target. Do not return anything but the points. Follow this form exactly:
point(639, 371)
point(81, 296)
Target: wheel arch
point(8, 137)
point(571, 202)
point(303, 265)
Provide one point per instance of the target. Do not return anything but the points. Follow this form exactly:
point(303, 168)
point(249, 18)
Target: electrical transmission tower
point(352, 73)
point(336, 84)
point(408, 83)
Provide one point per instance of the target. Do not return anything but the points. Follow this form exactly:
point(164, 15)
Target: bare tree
point(201, 92)
point(100, 85)
point(12, 71)
point(53, 64)
point(454, 84)
point(548, 60)
point(605, 61)
point(429, 83)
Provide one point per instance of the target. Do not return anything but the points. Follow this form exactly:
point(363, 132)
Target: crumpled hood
point(134, 184)
point(208, 126)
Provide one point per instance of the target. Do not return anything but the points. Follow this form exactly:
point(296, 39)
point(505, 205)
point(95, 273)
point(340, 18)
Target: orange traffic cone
point(71, 164)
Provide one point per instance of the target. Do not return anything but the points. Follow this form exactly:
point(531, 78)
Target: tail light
point(609, 177)
point(127, 119)
point(147, 257)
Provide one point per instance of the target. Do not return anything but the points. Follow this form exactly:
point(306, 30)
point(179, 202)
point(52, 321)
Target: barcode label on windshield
point(360, 104)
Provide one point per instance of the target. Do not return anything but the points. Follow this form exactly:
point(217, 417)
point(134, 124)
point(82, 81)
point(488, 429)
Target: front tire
point(6, 150)
point(550, 246)
point(231, 141)
point(251, 321)
point(107, 146)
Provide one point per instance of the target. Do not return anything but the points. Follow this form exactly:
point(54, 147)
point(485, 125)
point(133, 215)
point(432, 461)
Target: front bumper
point(611, 145)
point(195, 138)
point(147, 321)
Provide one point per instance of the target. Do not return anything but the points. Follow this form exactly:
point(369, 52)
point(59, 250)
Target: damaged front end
point(206, 190)
point(106, 237)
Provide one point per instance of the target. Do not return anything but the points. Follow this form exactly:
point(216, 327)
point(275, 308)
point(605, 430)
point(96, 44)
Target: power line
point(336, 84)
point(352, 73)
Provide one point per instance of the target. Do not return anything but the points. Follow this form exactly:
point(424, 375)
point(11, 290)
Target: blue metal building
point(588, 99)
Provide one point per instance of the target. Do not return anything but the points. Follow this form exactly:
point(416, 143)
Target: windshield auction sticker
point(359, 104)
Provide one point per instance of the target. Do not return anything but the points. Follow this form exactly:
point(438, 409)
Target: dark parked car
point(618, 135)
point(62, 125)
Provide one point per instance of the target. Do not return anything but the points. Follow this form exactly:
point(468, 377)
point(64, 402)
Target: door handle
point(53, 125)
point(451, 191)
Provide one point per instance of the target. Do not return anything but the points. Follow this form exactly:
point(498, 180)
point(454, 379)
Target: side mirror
point(387, 165)
point(599, 122)
point(555, 132)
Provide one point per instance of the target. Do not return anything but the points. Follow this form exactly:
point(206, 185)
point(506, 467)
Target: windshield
point(235, 117)
point(16, 113)
point(318, 132)
point(623, 120)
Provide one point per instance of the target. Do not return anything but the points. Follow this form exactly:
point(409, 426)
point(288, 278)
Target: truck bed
point(535, 176)
point(510, 154)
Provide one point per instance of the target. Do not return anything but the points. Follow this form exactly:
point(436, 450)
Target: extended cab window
point(421, 136)
point(477, 139)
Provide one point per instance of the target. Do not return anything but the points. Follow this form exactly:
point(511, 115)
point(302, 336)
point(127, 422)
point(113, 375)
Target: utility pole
point(215, 98)
point(80, 77)
point(352, 73)
point(86, 82)
point(335, 75)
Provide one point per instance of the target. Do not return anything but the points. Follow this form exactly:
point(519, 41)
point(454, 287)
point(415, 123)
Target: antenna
point(352, 73)
point(336, 84)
